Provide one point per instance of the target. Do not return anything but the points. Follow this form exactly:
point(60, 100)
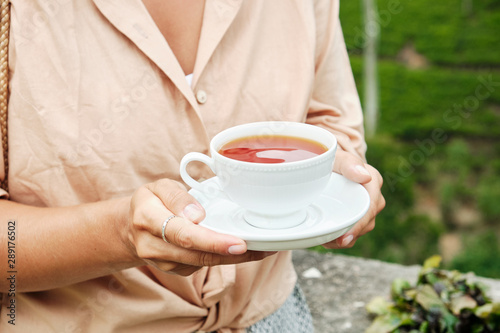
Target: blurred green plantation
point(447, 32)
point(438, 138)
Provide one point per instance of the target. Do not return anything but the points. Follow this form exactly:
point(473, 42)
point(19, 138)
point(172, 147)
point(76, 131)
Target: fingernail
point(347, 240)
point(237, 249)
point(192, 212)
point(362, 170)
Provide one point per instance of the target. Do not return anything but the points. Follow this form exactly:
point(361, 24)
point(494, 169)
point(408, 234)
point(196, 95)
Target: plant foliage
point(440, 302)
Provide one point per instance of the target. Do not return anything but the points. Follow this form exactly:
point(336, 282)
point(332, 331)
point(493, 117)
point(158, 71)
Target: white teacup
point(274, 196)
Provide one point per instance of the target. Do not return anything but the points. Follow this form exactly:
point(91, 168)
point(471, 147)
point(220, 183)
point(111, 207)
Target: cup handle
point(188, 158)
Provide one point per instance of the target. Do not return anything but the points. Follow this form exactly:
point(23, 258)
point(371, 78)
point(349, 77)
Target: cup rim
point(281, 166)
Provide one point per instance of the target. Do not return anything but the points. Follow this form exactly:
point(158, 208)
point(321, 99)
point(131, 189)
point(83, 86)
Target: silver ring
point(164, 226)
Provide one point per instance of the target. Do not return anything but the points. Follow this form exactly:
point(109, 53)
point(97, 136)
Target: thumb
point(178, 200)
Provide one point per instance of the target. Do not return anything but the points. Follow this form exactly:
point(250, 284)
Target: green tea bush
point(456, 177)
point(480, 255)
point(440, 30)
point(489, 199)
point(416, 103)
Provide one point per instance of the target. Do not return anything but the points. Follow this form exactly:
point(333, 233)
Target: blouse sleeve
point(335, 104)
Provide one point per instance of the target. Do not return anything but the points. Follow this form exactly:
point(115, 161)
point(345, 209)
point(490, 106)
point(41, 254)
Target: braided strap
point(4, 81)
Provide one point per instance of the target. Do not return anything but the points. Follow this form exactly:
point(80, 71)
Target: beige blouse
point(99, 106)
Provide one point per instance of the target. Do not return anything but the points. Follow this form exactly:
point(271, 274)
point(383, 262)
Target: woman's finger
point(367, 223)
point(177, 199)
point(188, 235)
point(169, 257)
point(351, 167)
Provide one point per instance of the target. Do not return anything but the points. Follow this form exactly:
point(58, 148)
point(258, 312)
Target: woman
point(100, 114)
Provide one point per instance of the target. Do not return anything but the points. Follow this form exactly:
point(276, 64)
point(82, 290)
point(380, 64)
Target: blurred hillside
point(438, 140)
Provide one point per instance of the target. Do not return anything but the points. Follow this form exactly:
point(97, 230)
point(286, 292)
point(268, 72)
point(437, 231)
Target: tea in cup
point(273, 170)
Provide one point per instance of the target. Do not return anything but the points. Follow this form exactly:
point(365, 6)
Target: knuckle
point(150, 187)
point(144, 253)
point(161, 183)
point(136, 215)
point(175, 195)
point(139, 219)
point(168, 184)
point(382, 203)
point(373, 171)
point(206, 259)
point(216, 248)
point(370, 227)
point(182, 238)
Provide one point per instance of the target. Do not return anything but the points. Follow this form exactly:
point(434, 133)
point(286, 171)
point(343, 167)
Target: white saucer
point(341, 205)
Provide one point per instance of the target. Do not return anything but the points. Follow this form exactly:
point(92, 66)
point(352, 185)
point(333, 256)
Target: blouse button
point(201, 96)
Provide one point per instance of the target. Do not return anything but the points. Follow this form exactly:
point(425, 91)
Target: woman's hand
point(353, 168)
point(189, 246)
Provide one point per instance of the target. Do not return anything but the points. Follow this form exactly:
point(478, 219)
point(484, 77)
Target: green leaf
point(487, 310)
point(456, 276)
point(432, 278)
point(428, 298)
point(424, 327)
point(398, 286)
point(463, 302)
point(384, 324)
point(410, 293)
point(450, 322)
point(484, 311)
point(478, 328)
point(496, 309)
point(378, 306)
point(432, 262)
point(406, 319)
